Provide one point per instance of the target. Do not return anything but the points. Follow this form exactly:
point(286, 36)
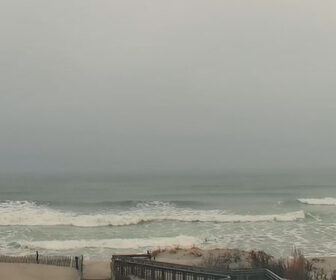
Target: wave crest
point(318, 201)
point(118, 243)
point(30, 214)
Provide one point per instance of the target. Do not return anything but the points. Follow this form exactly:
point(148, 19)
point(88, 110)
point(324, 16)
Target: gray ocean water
point(100, 215)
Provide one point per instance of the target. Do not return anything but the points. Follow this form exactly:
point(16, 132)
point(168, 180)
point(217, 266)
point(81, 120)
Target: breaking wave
point(31, 214)
point(118, 243)
point(318, 201)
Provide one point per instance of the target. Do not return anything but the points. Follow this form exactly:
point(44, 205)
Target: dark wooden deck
point(127, 267)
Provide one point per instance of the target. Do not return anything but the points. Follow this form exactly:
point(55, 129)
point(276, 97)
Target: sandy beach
point(97, 270)
point(16, 271)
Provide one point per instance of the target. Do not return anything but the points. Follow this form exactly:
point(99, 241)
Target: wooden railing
point(126, 267)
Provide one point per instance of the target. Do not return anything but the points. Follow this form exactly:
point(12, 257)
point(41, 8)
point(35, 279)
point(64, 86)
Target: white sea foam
point(318, 201)
point(29, 213)
point(132, 243)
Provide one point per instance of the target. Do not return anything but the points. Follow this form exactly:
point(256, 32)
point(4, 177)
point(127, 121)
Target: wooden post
point(82, 264)
point(142, 272)
point(76, 261)
point(117, 270)
point(153, 274)
point(122, 270)
point(37, 257)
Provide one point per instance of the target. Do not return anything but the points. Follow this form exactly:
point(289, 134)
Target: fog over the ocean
point(156, 86)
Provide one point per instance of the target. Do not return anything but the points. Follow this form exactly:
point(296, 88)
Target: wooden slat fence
point(65, 261)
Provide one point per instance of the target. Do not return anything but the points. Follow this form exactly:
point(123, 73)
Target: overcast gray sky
point(152, 85)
